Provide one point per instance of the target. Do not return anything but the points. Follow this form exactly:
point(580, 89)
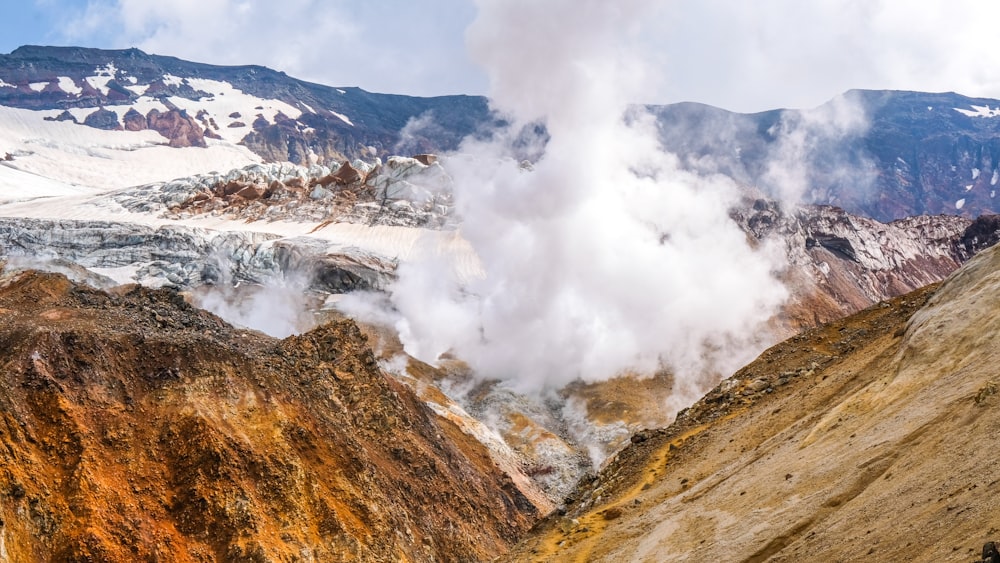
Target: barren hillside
point(870, 438)
point(134, 427)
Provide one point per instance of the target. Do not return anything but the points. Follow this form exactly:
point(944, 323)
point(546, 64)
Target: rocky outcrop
point(134, 121)
point(981, 234)
point(839, 263)
point(103, 119)
point(178, 126)
point(137, 427)
point(400, 192)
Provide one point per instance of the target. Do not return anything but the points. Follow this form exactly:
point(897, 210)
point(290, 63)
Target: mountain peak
point(75, 54)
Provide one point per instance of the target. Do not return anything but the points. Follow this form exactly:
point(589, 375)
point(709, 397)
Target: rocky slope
point(402, 191)
point(134, 427)
point(863, 439)
point(839, 263)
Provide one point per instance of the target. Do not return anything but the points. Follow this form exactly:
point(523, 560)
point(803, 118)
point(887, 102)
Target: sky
point(743, 56)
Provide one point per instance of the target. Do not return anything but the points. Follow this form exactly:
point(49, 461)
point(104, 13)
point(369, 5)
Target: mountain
point(880, 154)
point(863, 439)
point(278, 117)
point(265, 199)
point(886, 155)
point(135, 427)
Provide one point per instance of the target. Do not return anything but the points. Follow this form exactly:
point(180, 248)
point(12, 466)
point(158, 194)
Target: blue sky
point(746, 56)
point(33, 22)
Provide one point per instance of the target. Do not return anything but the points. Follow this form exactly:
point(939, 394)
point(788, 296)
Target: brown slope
point(135, 428)
point(871, 438)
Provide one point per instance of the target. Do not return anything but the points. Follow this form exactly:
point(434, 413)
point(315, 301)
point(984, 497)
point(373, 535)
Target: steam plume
point(604, 256)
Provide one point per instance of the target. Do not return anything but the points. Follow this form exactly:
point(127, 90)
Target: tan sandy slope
point(873, 438)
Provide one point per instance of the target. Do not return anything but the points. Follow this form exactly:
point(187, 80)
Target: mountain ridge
point(135, 426)
point(884, 154)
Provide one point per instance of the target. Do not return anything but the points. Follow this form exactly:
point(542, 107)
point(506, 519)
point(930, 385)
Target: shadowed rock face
point(134, 427)
point(839, 263)
point(863, 439)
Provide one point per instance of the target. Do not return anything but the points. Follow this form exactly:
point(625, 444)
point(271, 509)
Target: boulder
point(347, 174)
point(251, 193)
point(103, 119)
point(134, 121)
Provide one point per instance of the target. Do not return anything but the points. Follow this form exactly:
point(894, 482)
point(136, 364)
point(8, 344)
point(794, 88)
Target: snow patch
point(109, 70)
point(68, 85)
point(308, 107)
point(80, 113)
point(171, 80)
point(227, 100)
point(6, 85)
point(102, 75)
point(995, 178)
point(38, 86)
point(138, 89)
point(99, 83)
point(341, 91)
point(121, 274)
point(975, 173)
point(343, 118)
point(75, 155)
point(960, 203)
point(17, 185)
point(979, 111)
point(968, 188)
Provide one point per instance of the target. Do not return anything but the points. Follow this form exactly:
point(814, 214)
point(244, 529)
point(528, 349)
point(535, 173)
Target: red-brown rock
point(178, 126)
point(347, 174)
point(251, 193)
point(134, 121)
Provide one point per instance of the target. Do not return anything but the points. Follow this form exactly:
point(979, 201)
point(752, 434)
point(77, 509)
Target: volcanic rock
point(176, 125)
point(347, 174)
point(103, 119)
point(134, 121)
point(135, 427)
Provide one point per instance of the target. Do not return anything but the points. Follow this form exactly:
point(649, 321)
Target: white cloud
point(751, 56)
point(745, 56)
point(393, 46)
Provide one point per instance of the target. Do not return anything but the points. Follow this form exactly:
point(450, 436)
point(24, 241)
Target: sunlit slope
point(867, 439)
